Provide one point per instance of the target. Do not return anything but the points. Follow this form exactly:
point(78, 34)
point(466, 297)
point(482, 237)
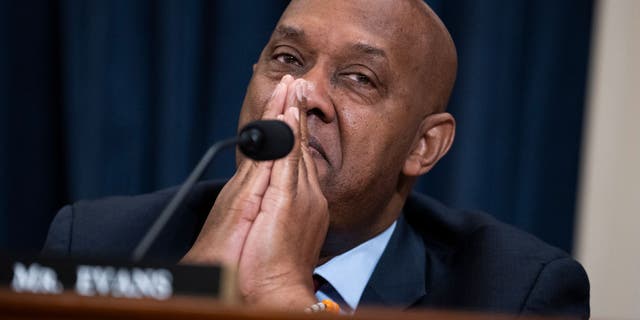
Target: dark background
point(122, 97)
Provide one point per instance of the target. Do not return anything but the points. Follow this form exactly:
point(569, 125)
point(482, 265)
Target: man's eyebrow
point(285, 31)
point(369, 50)
point(295, 33)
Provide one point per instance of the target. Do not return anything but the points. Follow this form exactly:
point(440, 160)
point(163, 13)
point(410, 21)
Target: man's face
point(363, 113)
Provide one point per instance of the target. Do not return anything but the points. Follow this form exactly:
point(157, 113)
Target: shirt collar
point(349, 272)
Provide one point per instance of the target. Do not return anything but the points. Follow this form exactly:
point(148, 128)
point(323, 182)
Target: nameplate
point(117, 280)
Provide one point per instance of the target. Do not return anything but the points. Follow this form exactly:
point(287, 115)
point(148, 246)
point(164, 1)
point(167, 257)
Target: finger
point(247, 168)
point(304, 147)
point(253, 177)
point(284, 174)
point(293, 93)
point(310, 170)
point(301, 94)
point(276, 103)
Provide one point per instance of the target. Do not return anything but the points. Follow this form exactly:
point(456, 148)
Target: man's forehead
point(371, 20)
point(297, 33)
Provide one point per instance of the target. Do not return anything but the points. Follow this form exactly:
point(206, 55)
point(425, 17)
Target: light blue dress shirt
point(349, 272)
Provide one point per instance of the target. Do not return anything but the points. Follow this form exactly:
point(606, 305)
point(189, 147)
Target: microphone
point(259, 140)
point(266, 140)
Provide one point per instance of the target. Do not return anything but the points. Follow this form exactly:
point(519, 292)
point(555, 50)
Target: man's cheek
point(251, 111)
point(259, 104)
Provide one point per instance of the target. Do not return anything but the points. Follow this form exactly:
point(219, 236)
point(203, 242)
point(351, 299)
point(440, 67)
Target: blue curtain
point(519, 102)
point(122, 97)
point(32, 179)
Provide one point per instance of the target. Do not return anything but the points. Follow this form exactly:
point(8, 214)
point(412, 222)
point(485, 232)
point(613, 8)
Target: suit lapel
point(399, 278)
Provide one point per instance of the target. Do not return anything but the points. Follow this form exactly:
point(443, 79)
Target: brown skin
point(382, 72)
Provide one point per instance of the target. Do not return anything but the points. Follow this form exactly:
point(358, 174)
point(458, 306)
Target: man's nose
point(319, 101)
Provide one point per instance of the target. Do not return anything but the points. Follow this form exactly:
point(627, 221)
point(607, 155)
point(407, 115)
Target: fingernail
point(309, 86)
point(277, 90)
point(299, 91)
point(280, 117)
point(296, 112)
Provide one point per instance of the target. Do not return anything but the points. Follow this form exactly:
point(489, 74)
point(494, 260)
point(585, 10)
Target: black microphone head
point(266, 140)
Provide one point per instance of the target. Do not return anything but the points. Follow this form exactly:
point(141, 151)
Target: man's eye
point(288, 59)
point(361, 79)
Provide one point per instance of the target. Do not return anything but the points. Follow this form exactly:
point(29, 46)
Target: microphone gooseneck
point(259, 140)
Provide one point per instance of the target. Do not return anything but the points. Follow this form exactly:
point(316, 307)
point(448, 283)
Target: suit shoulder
point(138, 206)
point(484, 264)
point(111, 226)
point(58, 241)
point(561, 288)
point(457, 230)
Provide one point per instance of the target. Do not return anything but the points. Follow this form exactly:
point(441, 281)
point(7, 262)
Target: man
point(364, 85)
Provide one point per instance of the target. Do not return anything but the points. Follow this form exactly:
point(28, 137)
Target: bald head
point(416, 30)
point(440, 57)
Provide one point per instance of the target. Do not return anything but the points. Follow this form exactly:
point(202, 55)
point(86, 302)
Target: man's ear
point(433, 140)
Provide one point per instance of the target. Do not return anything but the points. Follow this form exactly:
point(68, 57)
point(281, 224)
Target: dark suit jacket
point(437, 257)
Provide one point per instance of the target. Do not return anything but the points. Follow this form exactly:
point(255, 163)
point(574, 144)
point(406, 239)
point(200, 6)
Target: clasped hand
point(271, 218)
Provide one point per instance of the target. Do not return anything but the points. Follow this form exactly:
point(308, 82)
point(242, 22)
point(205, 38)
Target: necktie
point(318, 282)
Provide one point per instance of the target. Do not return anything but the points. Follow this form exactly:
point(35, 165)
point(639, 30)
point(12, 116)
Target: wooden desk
point(67, 306)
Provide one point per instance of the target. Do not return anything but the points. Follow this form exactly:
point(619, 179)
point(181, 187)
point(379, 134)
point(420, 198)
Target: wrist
point(293, 298)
